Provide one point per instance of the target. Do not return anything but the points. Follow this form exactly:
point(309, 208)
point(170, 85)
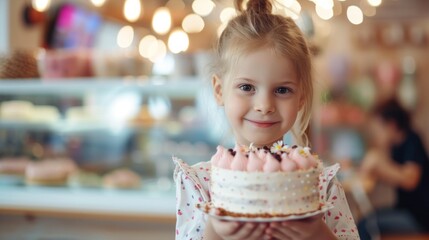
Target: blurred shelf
point(186, 87)
point(100, 203)
point(60, 127)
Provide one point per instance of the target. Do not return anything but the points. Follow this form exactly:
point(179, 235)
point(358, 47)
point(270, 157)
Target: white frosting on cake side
point(274, 193)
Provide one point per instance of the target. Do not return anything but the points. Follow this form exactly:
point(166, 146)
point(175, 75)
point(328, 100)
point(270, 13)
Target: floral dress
point(192, 187)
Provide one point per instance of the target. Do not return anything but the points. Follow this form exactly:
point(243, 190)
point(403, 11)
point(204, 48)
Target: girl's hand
point(303, 229)
point(239, 230)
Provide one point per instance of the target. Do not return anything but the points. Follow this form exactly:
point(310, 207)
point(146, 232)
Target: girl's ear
point(217, 89)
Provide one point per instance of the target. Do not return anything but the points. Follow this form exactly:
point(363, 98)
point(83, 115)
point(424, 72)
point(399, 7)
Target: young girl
point(262, 79)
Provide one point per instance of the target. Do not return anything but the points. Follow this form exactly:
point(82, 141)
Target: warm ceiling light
point(147, 46)
point(203, 7)
point(98, 3)
point(193, 23)
point(152, 48)
point(125, 36)
point(161, 22)
point(178, 41)
point(375, 3)
point(327, 4)
point(160, 52)
point(41, 5)
point(355, 15)
point(132, 10)
point(324, 13)
point(227, 14)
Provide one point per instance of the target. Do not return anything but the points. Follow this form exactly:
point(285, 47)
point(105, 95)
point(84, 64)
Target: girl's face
point(261, 98)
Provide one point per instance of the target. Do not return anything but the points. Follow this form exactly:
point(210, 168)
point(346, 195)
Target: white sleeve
point(190, 222)
point(339, 219)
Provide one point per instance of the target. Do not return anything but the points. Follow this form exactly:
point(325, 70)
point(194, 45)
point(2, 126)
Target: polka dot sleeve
point(339, 219)
point(190, 222)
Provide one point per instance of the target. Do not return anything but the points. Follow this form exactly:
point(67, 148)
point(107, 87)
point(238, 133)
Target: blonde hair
point(256, 27)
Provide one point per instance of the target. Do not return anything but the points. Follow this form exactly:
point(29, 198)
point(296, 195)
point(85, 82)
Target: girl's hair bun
point(255, 6)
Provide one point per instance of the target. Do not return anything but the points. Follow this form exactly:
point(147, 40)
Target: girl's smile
point(262, 124)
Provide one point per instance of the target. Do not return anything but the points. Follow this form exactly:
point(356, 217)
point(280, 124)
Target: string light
point(327, 4)
point(227, 14)
point(41, 5)
point(147, 46)
point(203, 7)
point(98, 3)
point(132, 10)
point(375, 3)
point(354, 14)
point(324, 13)
point(161, 22)
point(193, 23)
point(178, 41)
point(125, 37)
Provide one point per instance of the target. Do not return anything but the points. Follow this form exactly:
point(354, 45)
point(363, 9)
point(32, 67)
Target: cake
point(16, 110)
point(122, 178)
point(276, 182)
point(49, 171)
point(13, 165)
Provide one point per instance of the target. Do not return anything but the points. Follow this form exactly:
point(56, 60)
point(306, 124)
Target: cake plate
point(208, 209)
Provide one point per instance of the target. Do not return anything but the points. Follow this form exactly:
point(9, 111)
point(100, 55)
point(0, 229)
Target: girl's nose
point(264, 105)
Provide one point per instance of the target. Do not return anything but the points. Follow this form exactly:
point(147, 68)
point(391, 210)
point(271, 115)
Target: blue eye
point(283, 90)
point(247, 87)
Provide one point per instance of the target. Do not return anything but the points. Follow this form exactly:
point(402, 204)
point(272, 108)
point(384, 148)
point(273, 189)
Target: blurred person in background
point(399, 159)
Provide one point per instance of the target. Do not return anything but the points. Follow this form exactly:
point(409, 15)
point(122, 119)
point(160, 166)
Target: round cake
point(276, 182)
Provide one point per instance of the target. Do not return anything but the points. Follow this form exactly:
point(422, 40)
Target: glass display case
point(108, 128)
point(103, 124)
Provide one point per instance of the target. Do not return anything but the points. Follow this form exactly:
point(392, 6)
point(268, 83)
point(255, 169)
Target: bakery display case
point(98, 148)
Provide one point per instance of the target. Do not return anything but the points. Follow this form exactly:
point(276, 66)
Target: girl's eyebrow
point(253, 81)
point(245, 79)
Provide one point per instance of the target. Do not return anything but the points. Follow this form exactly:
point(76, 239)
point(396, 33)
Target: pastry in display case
point(99, 134)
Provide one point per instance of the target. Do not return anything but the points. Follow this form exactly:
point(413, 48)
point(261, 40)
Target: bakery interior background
point(114, 88)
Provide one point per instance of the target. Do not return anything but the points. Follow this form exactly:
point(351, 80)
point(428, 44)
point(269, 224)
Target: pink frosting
point(255, 164)
point(287, 165)
point(239, 162)
point(271, 164)
point(216, 158)
point(262, 154)
point(261, 160)
point(238, 148)
point(313, 159)
point(225, 160)
point(297, 155)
